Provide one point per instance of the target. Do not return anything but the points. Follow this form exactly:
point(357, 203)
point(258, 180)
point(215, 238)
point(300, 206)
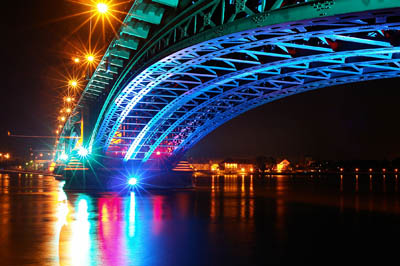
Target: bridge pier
point(125, 178)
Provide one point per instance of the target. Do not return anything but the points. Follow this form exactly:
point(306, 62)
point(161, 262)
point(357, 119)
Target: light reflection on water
point(225, 220)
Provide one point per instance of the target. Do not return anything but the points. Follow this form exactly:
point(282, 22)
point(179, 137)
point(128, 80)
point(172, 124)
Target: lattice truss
point(175, 102)
point(150, 27)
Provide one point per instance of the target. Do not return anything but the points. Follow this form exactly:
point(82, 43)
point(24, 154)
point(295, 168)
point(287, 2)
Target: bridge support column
point(126, 178)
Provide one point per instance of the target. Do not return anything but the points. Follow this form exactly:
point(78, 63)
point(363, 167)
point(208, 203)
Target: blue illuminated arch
point(176, 101)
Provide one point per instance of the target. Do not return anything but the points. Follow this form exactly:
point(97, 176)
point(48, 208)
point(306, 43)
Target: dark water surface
point(226, 220)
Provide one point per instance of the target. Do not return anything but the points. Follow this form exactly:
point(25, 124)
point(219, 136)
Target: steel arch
point(369, 51)
point(208, 127)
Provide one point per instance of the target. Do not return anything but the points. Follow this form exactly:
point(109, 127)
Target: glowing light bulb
point(73, 83)
point(132, 181)
point(102, 8)
point(63, 157)
point(83, 152)
point(90, 58)
point(76, 60)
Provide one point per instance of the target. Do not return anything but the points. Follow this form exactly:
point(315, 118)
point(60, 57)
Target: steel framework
point(200, 70)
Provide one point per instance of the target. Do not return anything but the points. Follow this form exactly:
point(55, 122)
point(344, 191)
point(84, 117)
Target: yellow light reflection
point(80, 242)
point(62, 217)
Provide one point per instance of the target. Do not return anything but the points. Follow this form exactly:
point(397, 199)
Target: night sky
point(355, 121)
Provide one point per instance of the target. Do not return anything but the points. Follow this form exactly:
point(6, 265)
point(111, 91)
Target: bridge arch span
point(175, 101)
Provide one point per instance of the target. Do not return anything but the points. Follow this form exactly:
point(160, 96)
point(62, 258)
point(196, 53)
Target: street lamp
point(90, 58)
point(73, 83)
point(102, 8)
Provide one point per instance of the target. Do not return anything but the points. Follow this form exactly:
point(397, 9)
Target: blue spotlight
point(63, 157)
point(132, 181)
point(83, 151)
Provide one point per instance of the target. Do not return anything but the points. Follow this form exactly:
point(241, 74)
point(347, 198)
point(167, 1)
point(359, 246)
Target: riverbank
point(28, 172)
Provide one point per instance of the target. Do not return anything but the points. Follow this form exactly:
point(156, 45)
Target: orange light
point(383, 170)
point(341, 169)
point(396, 170)
point(90, 58)
point(282, 166)
point(370, 169)
point(62, 118)
point(76, 60)
point(68, 110)
point(73, 83)
point(102, 8)
point(356, 169)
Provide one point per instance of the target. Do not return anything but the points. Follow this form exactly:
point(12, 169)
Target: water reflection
point(222, 215)
point(132, 214)
point(80, 239)
point(232, 196)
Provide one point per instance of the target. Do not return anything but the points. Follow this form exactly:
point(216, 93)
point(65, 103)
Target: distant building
point(282, 166)
point(229, 166)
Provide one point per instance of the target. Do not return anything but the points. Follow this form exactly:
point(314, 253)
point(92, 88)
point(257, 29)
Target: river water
point(225, 220)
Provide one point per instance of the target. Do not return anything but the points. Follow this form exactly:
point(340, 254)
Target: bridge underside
point(173, 103)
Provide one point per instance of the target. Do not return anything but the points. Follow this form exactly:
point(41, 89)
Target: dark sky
point(28, 53)
point(356, 121)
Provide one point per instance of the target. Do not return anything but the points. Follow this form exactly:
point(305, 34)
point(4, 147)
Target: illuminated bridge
point(179, 69)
